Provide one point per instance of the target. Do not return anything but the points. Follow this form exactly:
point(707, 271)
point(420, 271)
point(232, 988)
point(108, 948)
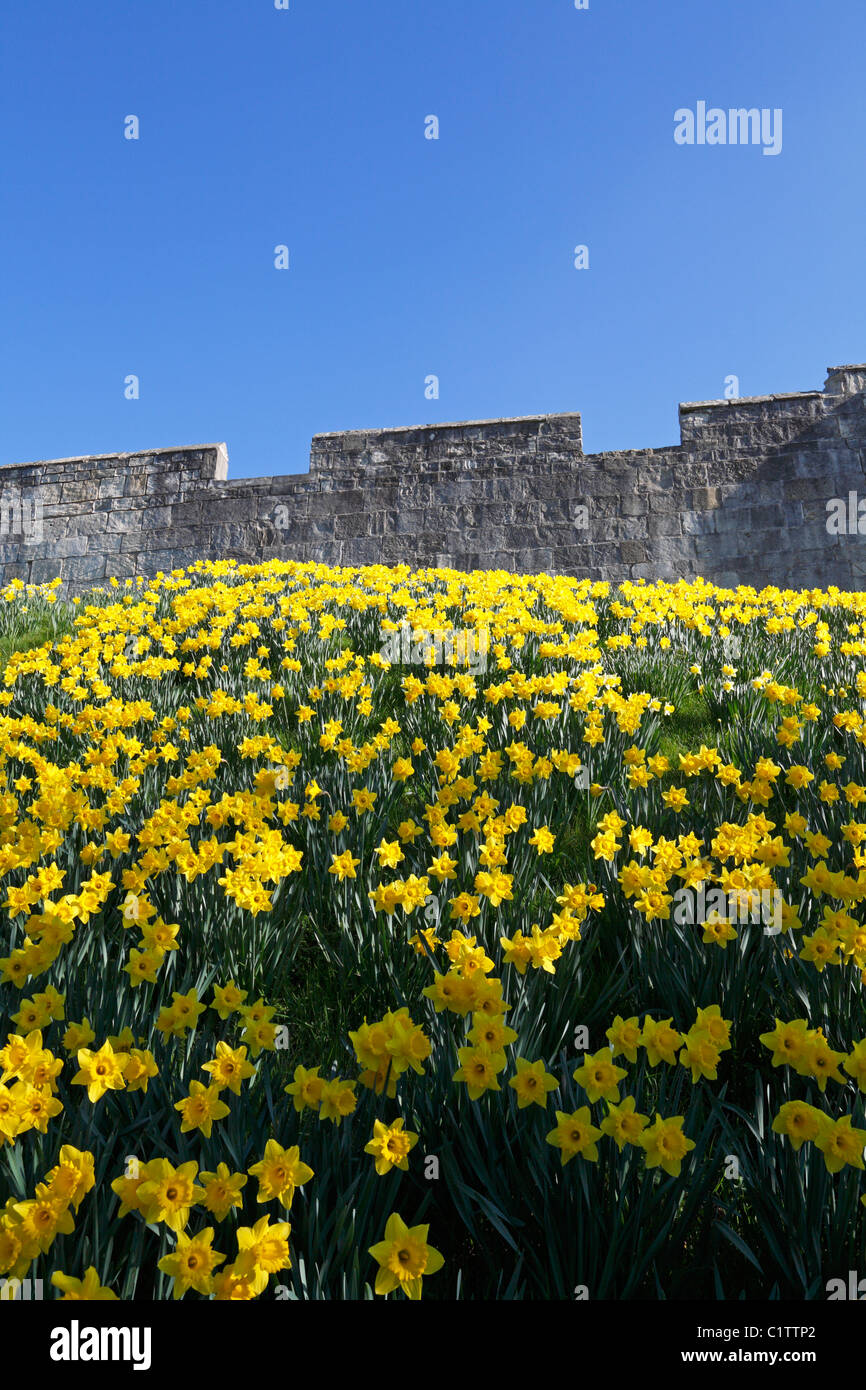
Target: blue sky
point(411, 257)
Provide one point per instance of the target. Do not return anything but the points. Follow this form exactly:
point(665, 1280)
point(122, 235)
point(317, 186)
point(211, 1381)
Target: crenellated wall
point(743, 498)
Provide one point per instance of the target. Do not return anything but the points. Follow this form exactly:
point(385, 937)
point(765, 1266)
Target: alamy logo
point(739, 905)
point(736, 126)
point(451, 646)
point(75, 1343)
point(846, 518)
point(13, 1289)
point(21, 515)
point(856, 1288)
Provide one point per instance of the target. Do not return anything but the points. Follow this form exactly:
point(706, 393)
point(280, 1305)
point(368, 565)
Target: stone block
point(632, 552)
point(84, 567)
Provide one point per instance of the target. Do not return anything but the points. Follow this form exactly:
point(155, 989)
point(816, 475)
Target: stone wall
point(743, 498)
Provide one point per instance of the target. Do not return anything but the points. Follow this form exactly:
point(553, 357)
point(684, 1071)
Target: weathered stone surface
point(742, 498)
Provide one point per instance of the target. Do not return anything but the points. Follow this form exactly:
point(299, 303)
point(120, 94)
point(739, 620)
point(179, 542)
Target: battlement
point(743, 497)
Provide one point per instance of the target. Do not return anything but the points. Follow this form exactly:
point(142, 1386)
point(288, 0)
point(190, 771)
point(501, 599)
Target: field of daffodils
point(372, 933)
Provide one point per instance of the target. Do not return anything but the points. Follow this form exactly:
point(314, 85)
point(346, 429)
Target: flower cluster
point(30, 1227)
point(808, 1052)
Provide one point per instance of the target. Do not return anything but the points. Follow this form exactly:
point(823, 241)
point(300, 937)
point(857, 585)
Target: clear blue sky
point(408, 256)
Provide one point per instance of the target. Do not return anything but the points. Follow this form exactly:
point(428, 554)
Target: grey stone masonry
point(752, 494)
